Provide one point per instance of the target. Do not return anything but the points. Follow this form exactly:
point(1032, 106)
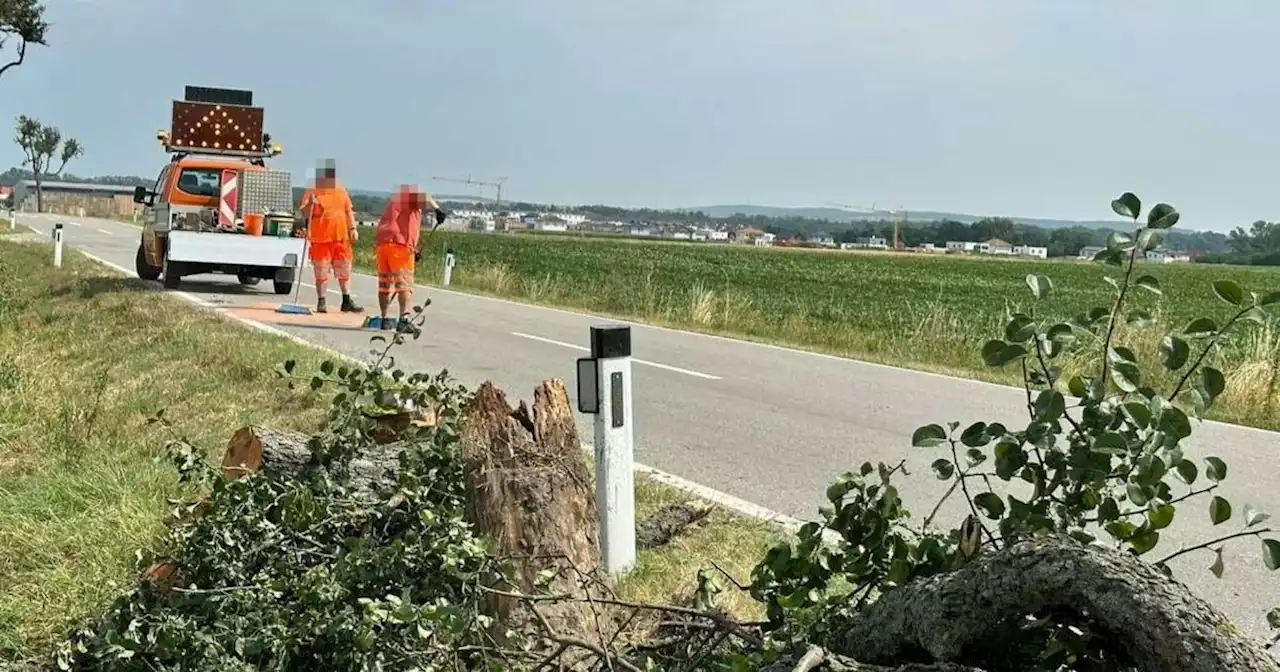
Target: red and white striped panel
point(230, 195)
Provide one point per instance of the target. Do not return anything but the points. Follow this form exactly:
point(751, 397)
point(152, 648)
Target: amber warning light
point(208, 126)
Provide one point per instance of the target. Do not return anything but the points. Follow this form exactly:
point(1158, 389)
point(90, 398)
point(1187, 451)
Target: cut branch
point(1159, 623)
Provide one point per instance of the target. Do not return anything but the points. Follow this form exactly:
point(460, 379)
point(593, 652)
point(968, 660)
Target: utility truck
point(216, 207)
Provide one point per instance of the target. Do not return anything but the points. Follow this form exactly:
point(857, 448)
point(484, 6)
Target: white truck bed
point(234, 249)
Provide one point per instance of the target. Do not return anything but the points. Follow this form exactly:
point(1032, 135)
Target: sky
point(1044, 108)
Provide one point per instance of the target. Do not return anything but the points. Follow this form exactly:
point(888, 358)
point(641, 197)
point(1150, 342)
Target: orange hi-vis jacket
point(330, 213)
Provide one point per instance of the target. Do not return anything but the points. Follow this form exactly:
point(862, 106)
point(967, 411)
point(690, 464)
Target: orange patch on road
point(266, 313)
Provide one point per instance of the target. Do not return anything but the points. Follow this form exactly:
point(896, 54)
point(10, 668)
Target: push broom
point(296, 308)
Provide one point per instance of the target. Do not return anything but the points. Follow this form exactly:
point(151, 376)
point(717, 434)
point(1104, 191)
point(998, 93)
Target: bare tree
point(39, 144)
point(22, 20)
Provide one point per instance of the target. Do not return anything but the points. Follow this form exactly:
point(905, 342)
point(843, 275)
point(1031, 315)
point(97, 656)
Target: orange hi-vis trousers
point(395, 268)
point(330, 259)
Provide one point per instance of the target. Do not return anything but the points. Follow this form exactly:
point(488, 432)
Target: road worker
point(331, 229)
point(397, 241)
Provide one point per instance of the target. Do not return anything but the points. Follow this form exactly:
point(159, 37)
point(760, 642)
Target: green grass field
point(929, 312)
point(86, 357)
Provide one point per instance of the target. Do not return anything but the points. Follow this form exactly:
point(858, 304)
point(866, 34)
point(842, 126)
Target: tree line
point(1259, 245)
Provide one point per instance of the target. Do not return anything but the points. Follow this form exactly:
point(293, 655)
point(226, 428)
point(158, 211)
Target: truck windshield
point(200, 181)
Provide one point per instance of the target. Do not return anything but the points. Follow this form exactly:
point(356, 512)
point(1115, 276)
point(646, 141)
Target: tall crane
point(899, 214)
point(496, 185)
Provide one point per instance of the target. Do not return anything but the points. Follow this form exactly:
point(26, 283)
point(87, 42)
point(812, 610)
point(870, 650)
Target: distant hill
point(846, 216)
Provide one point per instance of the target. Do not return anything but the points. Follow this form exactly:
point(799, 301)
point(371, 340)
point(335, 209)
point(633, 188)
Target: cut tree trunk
point(257, 448)
point(1160, 623)
point(531, 492)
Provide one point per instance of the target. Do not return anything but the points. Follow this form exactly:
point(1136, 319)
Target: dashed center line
point(574, 346)
point(103, 231)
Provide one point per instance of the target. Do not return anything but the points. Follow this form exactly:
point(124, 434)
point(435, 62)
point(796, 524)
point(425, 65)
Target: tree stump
point(531, 492)
point(257, 448)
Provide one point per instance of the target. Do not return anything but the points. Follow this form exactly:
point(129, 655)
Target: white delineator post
point(448, 266)
point(57, 245)
point(13, 219)
point(604, 389)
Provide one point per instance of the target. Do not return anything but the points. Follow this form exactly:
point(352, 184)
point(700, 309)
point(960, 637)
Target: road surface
point(769, 425)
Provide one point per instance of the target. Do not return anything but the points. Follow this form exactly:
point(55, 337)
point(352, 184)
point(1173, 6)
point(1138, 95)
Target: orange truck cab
point(216, 207)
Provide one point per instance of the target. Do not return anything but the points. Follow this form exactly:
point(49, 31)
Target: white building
point(765, 240)
point(1031, 251)
point(871, 243)
point(1167, 257)
point(550, 225)
point(1090, 251)
point(961, 246)
point(718, 236)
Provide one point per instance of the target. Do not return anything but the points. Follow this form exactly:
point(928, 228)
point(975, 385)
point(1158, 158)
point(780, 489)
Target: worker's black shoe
point(320, 307)
point(349, 306)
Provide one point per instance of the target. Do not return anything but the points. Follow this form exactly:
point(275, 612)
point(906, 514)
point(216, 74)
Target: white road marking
point(74, 223)
point(103, 231)
point(722, 499)
point(574, 346)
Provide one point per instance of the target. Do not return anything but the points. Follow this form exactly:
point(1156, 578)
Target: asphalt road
point(768, 425)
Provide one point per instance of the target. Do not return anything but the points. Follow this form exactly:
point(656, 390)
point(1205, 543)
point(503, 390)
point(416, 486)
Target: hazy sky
point(1026, 107)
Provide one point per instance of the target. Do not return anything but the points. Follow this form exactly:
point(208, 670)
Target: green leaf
point(1136, 494)
point(1140, 319)
point(1110, 257)
point(1126, 376)
point(928, 436)
point(1270, 299)
point(1273, 619)
point(1174, 352)
point(975, 435)
point(1271, 554)
point(1215, 469)
point(1127, 205)
point(1050, 405)
point(1252, 516)
point(1109, 510)
point(1118, 240)
point(1200, 327)
point(1122, 354)
point(1145, 540)
point(999, 353)
point(1160, 516)
point(289, 365)
point(1077, 387)
point(1020, 329)
point(943, 469)
point(1162, 216)
point(1217, 567)
point(1187, 471)
point(1150, 239)
point(1138, 413)
point(1173, 421)
point(990, 503)
point(326, 367)
point(974, 457)
point(1040, 285)
point(1229, 291)
point(1061, 333)
point(1214, 382)
point(1149, 283)
point(1219, 510)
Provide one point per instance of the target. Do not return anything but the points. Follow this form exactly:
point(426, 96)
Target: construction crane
point(900, 214)
point(496, 184)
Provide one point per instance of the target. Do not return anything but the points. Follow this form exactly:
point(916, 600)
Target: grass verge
point(86, 356)
point(926, 312)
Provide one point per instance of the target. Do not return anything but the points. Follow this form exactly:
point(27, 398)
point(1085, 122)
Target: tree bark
point(256, 448)
point(531, 493)
point(1160, 623)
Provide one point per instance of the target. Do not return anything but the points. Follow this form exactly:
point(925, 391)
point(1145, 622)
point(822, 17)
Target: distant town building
point(1167, 257)
point(996, 246)
point(76, 198)
point(765, 240)
point(1090, 251)
point(1031, 251)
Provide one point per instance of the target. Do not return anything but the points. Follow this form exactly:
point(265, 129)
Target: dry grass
point(85, 358)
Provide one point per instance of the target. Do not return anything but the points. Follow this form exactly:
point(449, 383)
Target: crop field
point(930, 312)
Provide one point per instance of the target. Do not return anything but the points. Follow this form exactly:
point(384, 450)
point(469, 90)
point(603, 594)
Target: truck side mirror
point(143, 196)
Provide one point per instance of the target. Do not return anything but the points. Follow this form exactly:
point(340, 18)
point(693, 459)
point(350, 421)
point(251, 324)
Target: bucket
point(253, 223)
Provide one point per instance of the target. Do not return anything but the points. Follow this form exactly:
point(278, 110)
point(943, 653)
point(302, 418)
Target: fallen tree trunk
point(1162, 626)
point(257, 448)
point(531, 493)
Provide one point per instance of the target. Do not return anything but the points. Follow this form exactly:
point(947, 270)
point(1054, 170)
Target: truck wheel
point(172, 274)
point(145, 270)
point(248, 280)
point(282, 287)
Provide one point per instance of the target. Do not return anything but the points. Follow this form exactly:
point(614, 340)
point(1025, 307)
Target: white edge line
point(656, 365)
point(768, 346)
point(103, 231)
point(722, 499)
